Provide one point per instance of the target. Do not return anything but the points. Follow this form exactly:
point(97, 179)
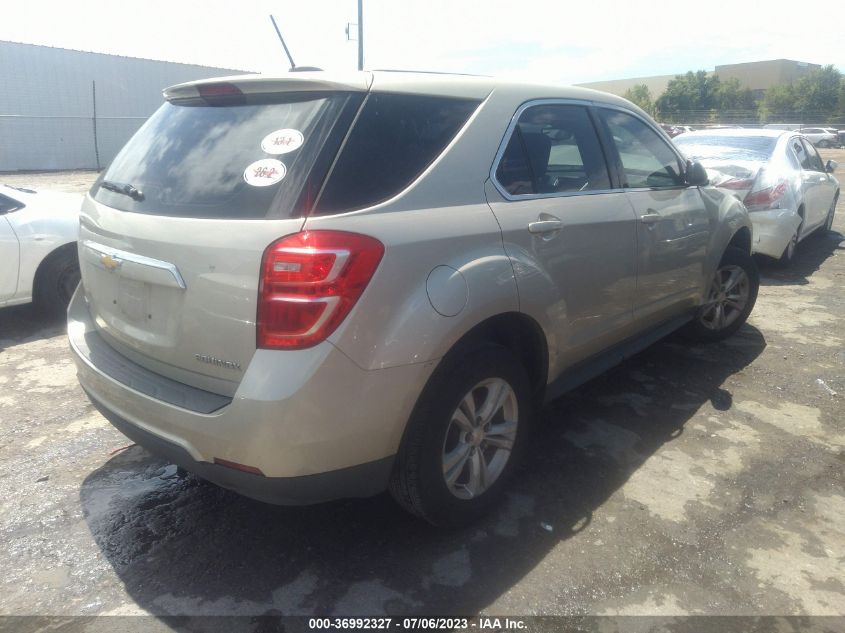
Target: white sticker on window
point(282, 141)
point(265, 172)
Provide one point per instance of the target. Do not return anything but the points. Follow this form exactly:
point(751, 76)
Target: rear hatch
point(172, 234)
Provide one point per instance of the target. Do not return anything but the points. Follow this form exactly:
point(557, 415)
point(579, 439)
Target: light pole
point(360, 34)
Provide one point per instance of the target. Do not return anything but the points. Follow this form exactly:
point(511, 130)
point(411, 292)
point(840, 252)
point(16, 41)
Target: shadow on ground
point(22, 324)
point(809, 256)
point(181, 546)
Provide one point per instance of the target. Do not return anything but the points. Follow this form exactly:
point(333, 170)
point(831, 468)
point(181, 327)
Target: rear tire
point(788, 256)
point(730, 298)
point(464, 439)
point(56, 280)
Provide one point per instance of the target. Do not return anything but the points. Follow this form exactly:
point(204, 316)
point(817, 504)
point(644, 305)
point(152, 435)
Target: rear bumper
point(317, 426)
point(357, 481)
point(773, 230)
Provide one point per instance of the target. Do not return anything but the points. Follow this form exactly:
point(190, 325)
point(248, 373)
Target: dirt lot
point(689, 480)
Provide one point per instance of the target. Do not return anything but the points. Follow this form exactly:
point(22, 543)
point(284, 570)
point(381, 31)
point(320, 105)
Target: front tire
point(729, 299)
point(464, 438)
point(828, 225)
point(56, 280)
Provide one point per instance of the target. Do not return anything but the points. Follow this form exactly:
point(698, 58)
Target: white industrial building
point(68, 109)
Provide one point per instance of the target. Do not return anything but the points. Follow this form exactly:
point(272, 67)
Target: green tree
point(640, 96)
point(731, 95)
point(689, 98)
point(815, 98)
point(818, 93)
point(779, 104)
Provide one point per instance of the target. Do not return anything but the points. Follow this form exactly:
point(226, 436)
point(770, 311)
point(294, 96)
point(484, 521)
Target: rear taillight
point(766, 198)
point(309, 283)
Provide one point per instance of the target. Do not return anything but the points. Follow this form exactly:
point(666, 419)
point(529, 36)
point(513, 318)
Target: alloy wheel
point(726, 299)
point(480, 438)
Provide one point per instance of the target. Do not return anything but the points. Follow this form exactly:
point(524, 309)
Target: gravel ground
point(689, 480)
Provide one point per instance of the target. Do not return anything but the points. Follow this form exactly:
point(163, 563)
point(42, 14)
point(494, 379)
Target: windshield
point(198, 160)
point(702, 147)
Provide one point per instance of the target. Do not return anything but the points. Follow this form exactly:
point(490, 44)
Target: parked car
point(38, 231)
point(820, 137)
point(778, 175)
point(318, 286)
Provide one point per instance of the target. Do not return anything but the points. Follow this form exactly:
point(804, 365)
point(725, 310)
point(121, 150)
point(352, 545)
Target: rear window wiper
point(125, 188)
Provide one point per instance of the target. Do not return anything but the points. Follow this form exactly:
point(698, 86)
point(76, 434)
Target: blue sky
point(555, 41)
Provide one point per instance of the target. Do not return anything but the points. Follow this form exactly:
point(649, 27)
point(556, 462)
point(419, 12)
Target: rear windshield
point(395, 138)
point(727, 147)
point(193, 159)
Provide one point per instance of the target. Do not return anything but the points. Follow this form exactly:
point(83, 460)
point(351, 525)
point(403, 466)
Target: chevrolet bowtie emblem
point(110, 263)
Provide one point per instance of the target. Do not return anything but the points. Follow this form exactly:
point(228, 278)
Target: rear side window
point(553, 149)
point(395, 138)
point(647, 160)
point(194, 159)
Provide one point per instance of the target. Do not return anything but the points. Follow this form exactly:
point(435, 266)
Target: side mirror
point(831, 166)
point(696, 175)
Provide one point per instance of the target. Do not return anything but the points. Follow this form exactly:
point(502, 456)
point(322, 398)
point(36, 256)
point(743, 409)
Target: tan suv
point(318, 286)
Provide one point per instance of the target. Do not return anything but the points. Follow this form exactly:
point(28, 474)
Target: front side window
point(553, 149)
point(394, 139)
point(816, 163)
point(800, 153)
point(647, 160)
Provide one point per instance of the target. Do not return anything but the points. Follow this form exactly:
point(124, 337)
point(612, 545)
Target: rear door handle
point(651, 218)
point(545, 226)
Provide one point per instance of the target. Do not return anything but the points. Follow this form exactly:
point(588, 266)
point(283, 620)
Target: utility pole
point(360, 34)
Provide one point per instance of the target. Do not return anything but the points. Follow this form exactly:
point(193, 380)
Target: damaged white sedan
point(780, 177)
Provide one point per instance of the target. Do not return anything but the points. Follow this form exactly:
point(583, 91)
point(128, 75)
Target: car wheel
point(464, 439)
point(789, 252)
point(823, 144)
point(730, 298)
point(828, 225)
point(56, 280)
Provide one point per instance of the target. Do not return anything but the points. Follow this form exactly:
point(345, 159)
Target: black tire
point(828, 225)
point(698, 329)
point(418, 482)
point(785, 260)
point(56, 280)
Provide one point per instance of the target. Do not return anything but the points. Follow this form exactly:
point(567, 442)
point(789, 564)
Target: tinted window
point(553, 148)
point(199, 160)
point(800, 153)
point(393, 141)
point(759, 148)
point(647, 160)
point(7, 205)
point(813, 157)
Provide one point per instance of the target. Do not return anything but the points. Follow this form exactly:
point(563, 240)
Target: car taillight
point(309, 283)
point(766, 198)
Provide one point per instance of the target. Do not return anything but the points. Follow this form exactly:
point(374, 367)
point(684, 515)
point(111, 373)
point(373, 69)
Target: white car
point(779, 176)
point(823, 137)
point(38, 232)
